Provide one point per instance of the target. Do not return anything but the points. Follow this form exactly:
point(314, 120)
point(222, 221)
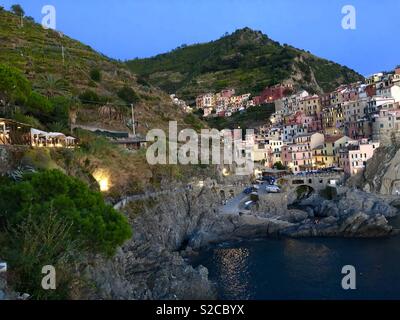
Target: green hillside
point(246, 60)
point(58, 66)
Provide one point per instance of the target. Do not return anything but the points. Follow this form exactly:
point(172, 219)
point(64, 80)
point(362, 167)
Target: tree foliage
point(245, 60)
point(17, 9)
point(97, 226)
point(95, 75)
point(91, 97)
point(36, 242)
point(53, 85)
point(49, 218)
point(38, 103)
point(14, 87)
point(279, 166)
point(128, 95)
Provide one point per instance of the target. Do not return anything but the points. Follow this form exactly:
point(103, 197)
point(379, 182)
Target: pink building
point(313, 123)
point(221, 114)
point(257, 100)
point(353, 158)
point(352, 130)
point(286, 156)
point(297, 157)
point(316, 124)
point(271, 94)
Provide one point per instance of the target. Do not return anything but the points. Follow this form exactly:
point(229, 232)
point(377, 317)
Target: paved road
point(234, 205)
point(121, 204)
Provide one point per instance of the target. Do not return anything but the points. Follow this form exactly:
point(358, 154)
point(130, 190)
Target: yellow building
point(310, 106)
point(333, 120)
point(332, 146)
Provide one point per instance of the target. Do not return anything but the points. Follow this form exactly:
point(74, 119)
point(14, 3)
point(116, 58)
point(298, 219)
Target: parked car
point(248, 190)
point(248, 204)
point(3, 267)
point(272, 189)
point(268, 179)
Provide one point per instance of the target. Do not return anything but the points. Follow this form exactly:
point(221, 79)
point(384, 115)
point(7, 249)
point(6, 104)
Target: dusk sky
point(125, 29)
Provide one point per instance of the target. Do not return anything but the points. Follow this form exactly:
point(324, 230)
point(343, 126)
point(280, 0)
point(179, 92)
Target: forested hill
point(66, 71)
point(246, 60)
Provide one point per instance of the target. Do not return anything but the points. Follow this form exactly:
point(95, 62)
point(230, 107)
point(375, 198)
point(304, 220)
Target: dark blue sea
point(304, 269)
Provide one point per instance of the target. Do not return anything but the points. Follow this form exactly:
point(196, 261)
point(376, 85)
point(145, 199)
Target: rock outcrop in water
point(357, 225)
point(350, 201)
point(353, 213)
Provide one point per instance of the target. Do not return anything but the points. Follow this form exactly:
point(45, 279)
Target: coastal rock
point(382, 173)
point(235, 227)
point(296, 216)
point(150, 265)
point(363, 225)
point(349, 202)
point(153, 265)
point(358, 225)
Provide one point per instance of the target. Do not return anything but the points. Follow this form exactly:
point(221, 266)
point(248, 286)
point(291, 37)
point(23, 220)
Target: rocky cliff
point(167, 230)
point(150, 265)
point(382, 174)
point(171, 227)
point(354, 213)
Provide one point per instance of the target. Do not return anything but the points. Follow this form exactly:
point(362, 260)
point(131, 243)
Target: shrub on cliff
point(96, 225)
point(54, 219)
point(128, 95)
point(14, 87)
point(95, 75)
point(38, 104)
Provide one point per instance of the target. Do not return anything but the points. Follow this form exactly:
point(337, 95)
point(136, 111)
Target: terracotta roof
point(332, 138)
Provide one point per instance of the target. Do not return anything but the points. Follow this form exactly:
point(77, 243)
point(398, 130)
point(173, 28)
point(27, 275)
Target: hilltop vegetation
point(58, 66)
point(246, 60)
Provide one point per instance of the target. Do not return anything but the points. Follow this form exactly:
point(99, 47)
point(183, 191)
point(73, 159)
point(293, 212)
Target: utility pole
point(62, 48)
point(22, 20)
point(133, 122)
point(62, 54)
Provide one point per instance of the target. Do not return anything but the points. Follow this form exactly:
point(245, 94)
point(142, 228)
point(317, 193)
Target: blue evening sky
point(125, 29)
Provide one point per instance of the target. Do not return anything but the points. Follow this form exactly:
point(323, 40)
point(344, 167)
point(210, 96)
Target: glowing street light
point(225, 172)
point(102, 178)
